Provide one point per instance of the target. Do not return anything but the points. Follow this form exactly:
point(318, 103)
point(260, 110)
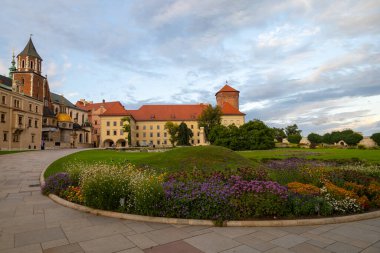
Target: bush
point(376, 138)
point(56, 183)
point(294, 138)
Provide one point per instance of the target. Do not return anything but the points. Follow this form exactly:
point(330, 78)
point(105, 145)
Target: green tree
point(127, 128)
point(172, 129)
point(184, 135)
point(315, 138)
point(292, 130)
point(376, 138)
point(209, 118)
point(326, 138)
point(279, 134)
point(294, 138)
point(352, 138)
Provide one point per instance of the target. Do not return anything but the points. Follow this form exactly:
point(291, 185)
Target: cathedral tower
point(28, 73)
point(229, 95)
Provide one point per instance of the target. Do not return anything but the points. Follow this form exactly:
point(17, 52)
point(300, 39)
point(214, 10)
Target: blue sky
point(313, 63)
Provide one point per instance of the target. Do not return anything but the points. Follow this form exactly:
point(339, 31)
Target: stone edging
point(252, 223)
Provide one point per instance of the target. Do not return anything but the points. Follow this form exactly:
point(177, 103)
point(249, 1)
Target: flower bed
point(296, 189)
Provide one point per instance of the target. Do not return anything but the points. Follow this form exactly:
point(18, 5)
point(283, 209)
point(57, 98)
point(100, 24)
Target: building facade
point(148, 122)
point(62, 123)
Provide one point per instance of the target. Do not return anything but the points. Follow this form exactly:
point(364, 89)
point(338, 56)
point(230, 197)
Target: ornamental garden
point(217, 183)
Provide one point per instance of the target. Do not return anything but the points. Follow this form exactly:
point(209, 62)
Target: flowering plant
point(305, 189)
point(56, 183)
point(72, 194)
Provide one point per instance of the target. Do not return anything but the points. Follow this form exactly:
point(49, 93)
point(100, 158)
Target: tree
point(209, 118)
point(326, 138)
point(184, 134)
point(294, 138)
point(352, 138)
point(172, 129)
point(376, 138)
point(127, 128)
point(292, 130)
point(315, 138)
point(279, 134)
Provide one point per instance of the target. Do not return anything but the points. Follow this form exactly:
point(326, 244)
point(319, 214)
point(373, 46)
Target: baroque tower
point(229, 95)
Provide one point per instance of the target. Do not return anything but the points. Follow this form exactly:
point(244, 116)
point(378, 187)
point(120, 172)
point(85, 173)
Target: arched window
point(22, 64)
point(31, 64)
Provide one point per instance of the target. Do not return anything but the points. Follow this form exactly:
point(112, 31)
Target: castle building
point(147, 123)
point(62, 124)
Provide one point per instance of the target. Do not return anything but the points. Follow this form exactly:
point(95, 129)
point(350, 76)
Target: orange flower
point(301, 188)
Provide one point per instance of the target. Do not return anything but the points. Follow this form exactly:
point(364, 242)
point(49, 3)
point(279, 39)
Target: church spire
point(13, 66)
point(30, 50)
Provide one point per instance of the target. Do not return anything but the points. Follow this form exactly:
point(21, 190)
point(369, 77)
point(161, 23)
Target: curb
point(195, 222)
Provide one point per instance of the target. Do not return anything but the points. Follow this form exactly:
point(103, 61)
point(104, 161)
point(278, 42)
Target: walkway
point(31, 222)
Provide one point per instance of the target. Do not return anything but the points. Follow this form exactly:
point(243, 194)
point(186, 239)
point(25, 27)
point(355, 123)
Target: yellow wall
point(232, 119)
point(111, 129)
point(14, 135)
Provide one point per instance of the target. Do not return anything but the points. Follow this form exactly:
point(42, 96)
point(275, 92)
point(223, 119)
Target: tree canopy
point(210, 118)
point(127, 128)
point(376, 138)
point(184, 135)
point(172, 129)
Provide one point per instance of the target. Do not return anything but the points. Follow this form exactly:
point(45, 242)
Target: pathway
point(31, 222)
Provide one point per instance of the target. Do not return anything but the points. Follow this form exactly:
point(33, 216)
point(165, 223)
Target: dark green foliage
point(348, 136)
point(250, 136)
point(326, 138)
point(172, 129)
point(294, 138)
point(210, 118)
point(127, 128)
point(279, 134)
point(376, 138)
point(184, 135)
point(292, 130)
point(315, 138)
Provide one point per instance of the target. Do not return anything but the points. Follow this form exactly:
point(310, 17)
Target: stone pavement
point(31, 222)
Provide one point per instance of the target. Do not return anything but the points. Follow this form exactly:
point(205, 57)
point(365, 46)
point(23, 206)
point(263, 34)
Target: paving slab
point(241, 249)
point(308, 248)
point(212, 242)
point(69, 248)
point(174, 247)
point(289, 241)
point(38, 236)
point(142, 241)
point(107, 244)
point(340, 247)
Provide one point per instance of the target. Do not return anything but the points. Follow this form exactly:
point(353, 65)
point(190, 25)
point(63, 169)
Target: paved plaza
point(31, 222)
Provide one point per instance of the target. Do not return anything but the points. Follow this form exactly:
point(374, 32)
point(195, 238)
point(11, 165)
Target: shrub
point(305, 205)
point(304, 189)
point(103, 186)
point(56, 183)
point(342, 205)
point(72, 194)
point(376, 138)
point(294, 138)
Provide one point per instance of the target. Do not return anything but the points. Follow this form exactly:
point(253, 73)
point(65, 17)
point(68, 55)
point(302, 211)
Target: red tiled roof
point(95, 106)
point(115, 109)
point(228, 109)
point(227, 88)
point(167, 112)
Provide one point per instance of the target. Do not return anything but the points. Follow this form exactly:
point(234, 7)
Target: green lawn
point(209, 157)
point(323, 154)
point(187, 158)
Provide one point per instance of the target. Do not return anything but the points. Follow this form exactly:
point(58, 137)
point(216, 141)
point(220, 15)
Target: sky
point(311, 63)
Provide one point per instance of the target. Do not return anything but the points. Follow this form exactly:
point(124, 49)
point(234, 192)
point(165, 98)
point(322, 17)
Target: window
point(36, 123)
point(3, 100)
point(5, 136)
point(77, 116)
point(63, 124)
point(114, 123)
point(165, 134)
point(198, 134)
point(20, 120)
point(114, 132)
point(165, 142)
point(2, 117)
point(137, 135)
point(137, 127)
point(158, 127)
point(151, 134)
point(16, 103)
point(30, 123)
point(23, 64)
point(108, 132)
point(151, 127)
point(95, 131)
point(192, 126)
point(121, 132)
point(71, 114)
point(15, 137)
point(44, 121)
point(144, 127)
point(198, 141)
point(158, 142)
point(108, 123)
point(32, 138)
point(121, 123)
point(82, 118)
point(192, 141)
point(36, 109)
point(30, 107)
point(31, 64)
point(158, 134)
point(144, 135)
point(96, 122)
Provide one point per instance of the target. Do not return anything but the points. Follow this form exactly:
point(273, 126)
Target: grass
point(186, 158)
point(210, 157)
point(372, 156)
point(6, 152)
